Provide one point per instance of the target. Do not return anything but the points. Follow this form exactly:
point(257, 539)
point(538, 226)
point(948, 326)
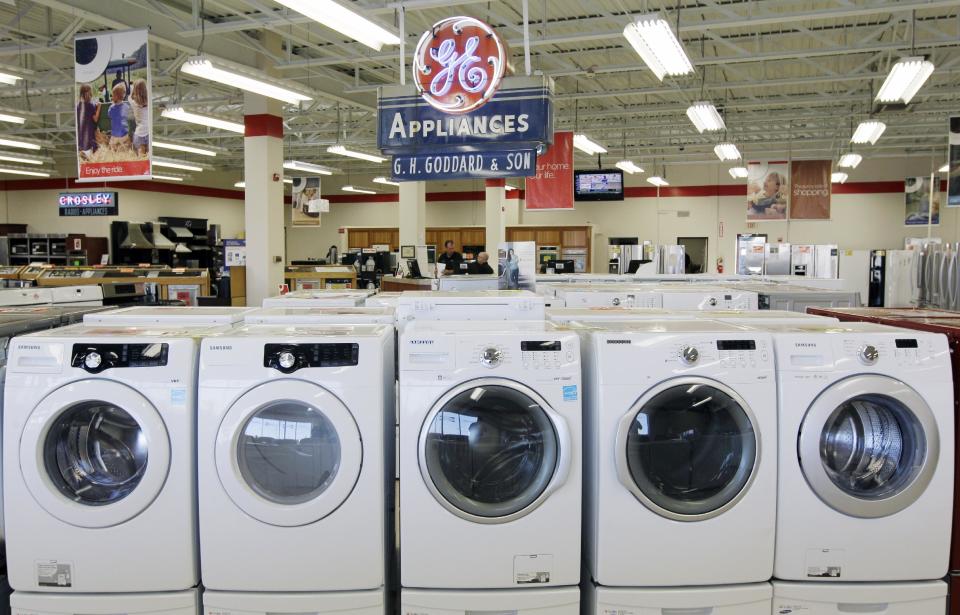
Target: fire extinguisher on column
point(720, 264)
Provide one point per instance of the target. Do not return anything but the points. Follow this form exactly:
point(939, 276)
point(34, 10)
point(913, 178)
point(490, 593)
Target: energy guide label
point(51, 573)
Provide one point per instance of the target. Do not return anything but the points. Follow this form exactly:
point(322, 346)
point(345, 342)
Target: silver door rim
point(623, 468)
point(811, 429)
point(560, 470)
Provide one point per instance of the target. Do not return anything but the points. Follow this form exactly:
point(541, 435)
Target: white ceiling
point(790, 75)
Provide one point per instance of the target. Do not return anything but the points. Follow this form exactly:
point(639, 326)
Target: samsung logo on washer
point(29, 347)
point(805, 344)
point(221, 347)
point(421, 342)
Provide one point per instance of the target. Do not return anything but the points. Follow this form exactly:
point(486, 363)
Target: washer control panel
point(901, 352)
point(288, 358)
point(95, 358)
point(533, 354)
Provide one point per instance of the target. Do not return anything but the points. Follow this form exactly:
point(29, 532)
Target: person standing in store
point(482, 266)
point(450, 259)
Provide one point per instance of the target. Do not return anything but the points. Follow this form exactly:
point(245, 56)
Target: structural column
point(413, 213)
point(263, 203)
point(495, 216)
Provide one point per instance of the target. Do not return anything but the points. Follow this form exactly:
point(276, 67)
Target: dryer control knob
point(869, 354)
point(491, 356)
point(616, 301)
point(93, 360)
point(286, 359)
point(690, 355)
point(713, 302)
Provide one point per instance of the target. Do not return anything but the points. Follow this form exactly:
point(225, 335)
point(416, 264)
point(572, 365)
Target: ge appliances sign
point(459, 64)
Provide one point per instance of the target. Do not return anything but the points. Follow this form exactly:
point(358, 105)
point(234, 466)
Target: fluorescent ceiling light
point(173, 164)
point(906, 77)
point(358, 190)
point(627, 166)
point(19, 144)
point(654, 41)
point(200, 66)
point(944, 169)
point(705, 117)
point(307, 167)
point(739, 172)
point(584, 144)
point(178, 113)
point(8, 79)
point(240, 185)
point(168, 178)
point(658, 181)
point(868, 132)
point(727, 151)
point(24, 172)
point(839, 177)
point(850, 161)
point(385, 181)
point(181, 148)
point(343, 151)
point(13, 119)
point(345, 21)
point(21, 158)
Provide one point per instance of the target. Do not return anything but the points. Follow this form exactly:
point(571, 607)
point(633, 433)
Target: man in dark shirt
point(482, 266)
point(450, 258)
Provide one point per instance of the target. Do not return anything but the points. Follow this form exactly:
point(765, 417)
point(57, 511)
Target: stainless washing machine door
point(868, 446)
point(688, 449)
point(492, 450)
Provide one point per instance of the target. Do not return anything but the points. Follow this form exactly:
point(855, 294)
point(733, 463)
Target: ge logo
point(458, 64)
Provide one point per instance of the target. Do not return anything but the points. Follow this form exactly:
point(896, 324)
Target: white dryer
point(297, 432)
point(752, 599)
point(866, 453)
point(708, 298)
point(183, 316)
point(25, 296)
point(551, 601)
point(91, 295)
point(329, 603)
point(490, 468)
point(680, 452)
point(609, 295)
point(172, 603)
point(331, 298)
point(99, 459)
point(462, 306)
point(919, 598)
point(321, 316)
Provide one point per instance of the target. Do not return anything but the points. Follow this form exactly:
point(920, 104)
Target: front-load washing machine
point(172, 603)
point(866, 453)
point(328, 603)
point(918, 598)
point(609, 295)
point(296, 434)
point(490, 465)
point(680, 452)
point(331, 298)
point(490, 305)
point(184, 316)
point(550, 601)
point(321, 315)
point(99, 459)
point(751, 599)
point(707, 298)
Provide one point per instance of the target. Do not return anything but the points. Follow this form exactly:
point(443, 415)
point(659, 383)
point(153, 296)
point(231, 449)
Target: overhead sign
point(88, 203)
point(464, 165)
point(812, 186)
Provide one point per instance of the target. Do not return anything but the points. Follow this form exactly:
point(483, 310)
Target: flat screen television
point(603, 185)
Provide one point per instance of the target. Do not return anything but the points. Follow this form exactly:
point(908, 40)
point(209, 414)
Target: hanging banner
point(552, 186)
point(811, 192)
point(917, 202)
point(307, 204)
point(517, 265)
point(464, 165)
point(768, 191)
point(953, 176)
point(113, 114)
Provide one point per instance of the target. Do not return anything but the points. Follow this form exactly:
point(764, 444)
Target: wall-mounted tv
point(600, 185)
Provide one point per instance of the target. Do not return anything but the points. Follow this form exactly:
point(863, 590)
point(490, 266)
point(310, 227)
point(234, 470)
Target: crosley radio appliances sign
point(463, 117)
point(88, 203)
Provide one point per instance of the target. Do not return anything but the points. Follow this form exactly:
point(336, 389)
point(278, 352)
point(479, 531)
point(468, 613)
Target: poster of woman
point(768, 191)
point(917, 202)
point(114, 118)
point(307, 204)
point(517, 265)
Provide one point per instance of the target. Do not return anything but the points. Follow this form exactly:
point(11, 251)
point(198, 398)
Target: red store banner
point(552, 186)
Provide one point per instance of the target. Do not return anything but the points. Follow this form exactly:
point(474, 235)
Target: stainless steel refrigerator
point(776, 259)
point(827, 262)
point(750, 253)
point(803, 259)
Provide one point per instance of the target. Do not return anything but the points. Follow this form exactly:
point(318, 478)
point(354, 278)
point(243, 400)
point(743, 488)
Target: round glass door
point(868, 446)
point(288, 453)
point(688, 449)
point(490, 451)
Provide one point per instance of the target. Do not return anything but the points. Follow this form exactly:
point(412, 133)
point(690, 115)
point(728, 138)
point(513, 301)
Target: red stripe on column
point(496, 183)
point(263, 125)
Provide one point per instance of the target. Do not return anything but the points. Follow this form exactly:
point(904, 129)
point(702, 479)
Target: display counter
point(315, 277)
point(390, 283)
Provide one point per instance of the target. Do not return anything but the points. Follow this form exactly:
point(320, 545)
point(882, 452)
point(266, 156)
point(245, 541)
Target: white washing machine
point(297, 432)
point(551, 601)
point(708, 298)
point(752, 599)
point(91, 295)
point(183, 316)
point(923, 598)
point(490, 468)
point(172, 603)
point(610, 295)
point(99, 459)
point(25, 296)
point(321, 315)
point(381, 299)
point(463, 306)
point(680, 452)
point(331, 603)
point(329, 297)
point(866, 453)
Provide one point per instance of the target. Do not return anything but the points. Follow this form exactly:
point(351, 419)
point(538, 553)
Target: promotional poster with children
point(768, 191)
point(112, 94)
